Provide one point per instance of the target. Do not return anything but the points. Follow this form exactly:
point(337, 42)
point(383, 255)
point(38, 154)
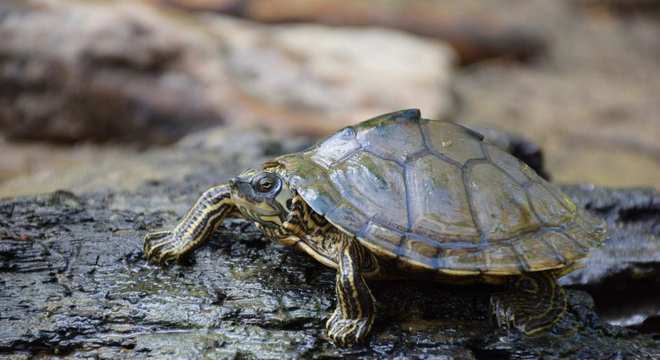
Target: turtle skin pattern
point(435, 195)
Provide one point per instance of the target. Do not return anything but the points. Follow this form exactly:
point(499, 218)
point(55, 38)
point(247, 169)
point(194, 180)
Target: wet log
point(74, 283)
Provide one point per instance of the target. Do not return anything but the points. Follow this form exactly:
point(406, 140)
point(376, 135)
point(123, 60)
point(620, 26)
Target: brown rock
point(73, 70)
point(471, 30)
point(592, 105)
point(99, 167)
point(310, 79)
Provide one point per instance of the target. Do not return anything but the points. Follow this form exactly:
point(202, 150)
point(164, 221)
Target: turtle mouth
point(255, 210)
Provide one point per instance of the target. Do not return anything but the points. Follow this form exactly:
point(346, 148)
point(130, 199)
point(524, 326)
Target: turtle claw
point(332, 320)
point(347, 332)
point(160, 248)
point(504, 315)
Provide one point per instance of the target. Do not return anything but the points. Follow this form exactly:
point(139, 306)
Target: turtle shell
point(434, 194)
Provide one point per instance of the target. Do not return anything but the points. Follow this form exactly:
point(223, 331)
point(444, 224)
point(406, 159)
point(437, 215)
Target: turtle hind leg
point(534, 303)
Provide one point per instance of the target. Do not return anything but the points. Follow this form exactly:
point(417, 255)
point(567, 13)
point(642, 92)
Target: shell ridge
point(346, 156)
point(552, 246)
point(570, 237)
point(524, 186)
point(401, 165)
point(434, 152)
point(523, 264)
point(531, 203)
point(552, 193)
point(408, 197)
point(371, 152)
point(475, 134)
point(465, 173)
point(443, 244)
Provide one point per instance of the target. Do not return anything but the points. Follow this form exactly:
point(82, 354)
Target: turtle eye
point(265, 183)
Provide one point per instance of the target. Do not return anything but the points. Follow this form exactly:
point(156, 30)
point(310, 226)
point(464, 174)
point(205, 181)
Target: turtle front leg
point(201, 220)
point(356, 307)
point(534, 303)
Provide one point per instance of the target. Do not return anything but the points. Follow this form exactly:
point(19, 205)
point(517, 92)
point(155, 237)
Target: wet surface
point(75, 283)
point(623, 276)
point(630, 299)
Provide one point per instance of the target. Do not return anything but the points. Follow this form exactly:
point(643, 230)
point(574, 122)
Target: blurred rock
point(626, 7)
point(43, 162)
point(123, 70)
point(312, 80)
point(471, 30)
point(591, 104)
point(73, 71)
point(243, 142)
point(101, 168)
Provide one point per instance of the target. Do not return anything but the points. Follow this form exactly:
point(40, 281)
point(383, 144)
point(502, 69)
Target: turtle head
point(261, 196)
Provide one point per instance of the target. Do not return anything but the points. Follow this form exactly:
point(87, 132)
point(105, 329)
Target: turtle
point(401, 196)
